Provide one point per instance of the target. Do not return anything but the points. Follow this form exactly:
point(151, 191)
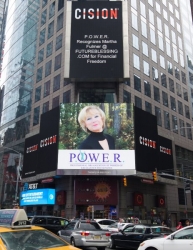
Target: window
point(134, 4)
point(45, 107)
point(183, 77)
point(48, 68)
point(43, 17)
point(182, 128)
point(171, 85)
point(55, 102)
point(44, 2)
point(148, 107)
point(152, 36)
point(160, 42)
point(173, 37)
point(50, 29)
point(42, 37)
point(155, 74)
point(135, 41)
point(142, 9)
point(58, 42)
point(178, 89)
point(189, 131)
point(180, 43)
point(58, 59)
point(158, 115)
point(165, 14)
point(175, 53)
point(165, 98)
point(39, 74)
point(187, 112)
point(185, 94)
point(173, 103)
point(153, 55)
point(163, 80)
point(49, 49)
point(46, 88)
point(60, 4)
point(146, 69)
point(36, 116)
point(134, 21)
point(181, 198)
point(177, 73)
point(145, 49)
point(158, 7)
point(166, 28)
point(56, 84)
point(191, 78)
point(147, 88)
point(38, 94)
point(156, 94)
point(144, 29)
point(166, 120)
point(136, 62)
point(40, 55)
point(126, 96)
point(151, 17)
point(138, 102)
point(170, 68)
point(137, 83)
point(180, 108)
point(168, 48)
point(162, 62)
point(66, 96)
point(159, 24)
point(60, 22)
point(174, 124)
point(52, 10)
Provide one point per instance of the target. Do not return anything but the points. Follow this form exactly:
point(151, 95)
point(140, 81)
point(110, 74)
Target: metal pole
point(185, 196)
point(17, 172)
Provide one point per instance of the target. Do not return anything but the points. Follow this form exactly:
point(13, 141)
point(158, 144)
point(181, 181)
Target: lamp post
point(17, 170)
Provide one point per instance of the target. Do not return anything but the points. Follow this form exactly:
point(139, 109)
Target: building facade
point(159, 81)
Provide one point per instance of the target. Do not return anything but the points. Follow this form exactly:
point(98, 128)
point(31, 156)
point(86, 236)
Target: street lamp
point(17, 170)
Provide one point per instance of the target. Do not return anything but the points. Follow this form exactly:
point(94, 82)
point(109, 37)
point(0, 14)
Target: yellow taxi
point(16, 233)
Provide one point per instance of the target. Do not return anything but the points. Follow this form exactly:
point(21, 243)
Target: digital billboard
point(96, 47)
point(96, 139)
point(44, 196)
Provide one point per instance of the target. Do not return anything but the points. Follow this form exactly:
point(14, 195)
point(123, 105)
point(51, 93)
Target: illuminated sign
point(109, 152)
point(38, 197)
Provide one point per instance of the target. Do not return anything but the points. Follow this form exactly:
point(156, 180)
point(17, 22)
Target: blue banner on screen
point(38, 197)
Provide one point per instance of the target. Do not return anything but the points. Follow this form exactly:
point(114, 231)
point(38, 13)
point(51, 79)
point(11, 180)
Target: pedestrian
point(164, 223)
point(179, 226)
point(119, 224)
point(187, 222)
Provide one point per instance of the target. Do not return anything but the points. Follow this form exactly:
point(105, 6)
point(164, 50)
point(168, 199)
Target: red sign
point(160, 201)
point(138, 199)
point(47, 180)
point(96, 191)
point(61, 197)
point(148, 181)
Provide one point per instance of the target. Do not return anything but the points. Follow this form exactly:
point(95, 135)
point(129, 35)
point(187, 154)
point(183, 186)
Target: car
point(113, 228)
point(51, 223)
point(178, 240)
point(104, 223)
point(18, 234)
point(132, 235)
point(85, 233)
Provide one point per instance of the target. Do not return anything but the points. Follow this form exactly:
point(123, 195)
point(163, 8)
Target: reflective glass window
point(138, 102)
point(171, 21)
point(55, 102)
point(56, 84)
point(178, 27)
point(151, 17)
point(37, 93)
point(171, 8)
point(164, 2)
point(50, 29)
point(45, 107)
point(155, 74)
point(182, 128)
point(39, 74)
point(57, 64)
point(144, 29)
point(150, 2)
point(175, 54)
point(154, 55)
point(185, 94)
point(134, 21)
point(182, 60)
point(136, 61)
point(52, 9)
point(174, 124)
point(180, 43)
point(49, 49)
point(173, 36)
point(171, 85)
point(177, 73)
point(166, 120)
point(170, 68)
point(43, 17)
point(46, 88)
point(187, 112)
point(137, 83)
point(173, 103)
point(135, 41)
point(168, 49)
point(145, 48)
point(156, 94)
point(148, 107)
point(48, 68)
point(36, 116)
point(160, 42)
point(158, 115)
point(42, 37)
point(146, 69)
point(126, 96)
point(60, 4)
point(165, 98)
point(59, 42)
point(177, 14)
point(159, 24)
point(44, 2)
point(66, 96)
point(189, 131)
point(165, 14)
point(180, 108)
point(40, 55)
point(152, 36)
point(183, 77)
point(163, 80)
point(142, 9)
point(60, 21)
point(162, 62)
point(158, 7)
point(147, 88)
point(178, 89)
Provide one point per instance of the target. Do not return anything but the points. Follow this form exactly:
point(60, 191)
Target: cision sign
point(96, 40)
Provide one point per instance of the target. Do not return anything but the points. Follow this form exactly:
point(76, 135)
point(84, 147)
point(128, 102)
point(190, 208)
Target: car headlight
point(142, 244)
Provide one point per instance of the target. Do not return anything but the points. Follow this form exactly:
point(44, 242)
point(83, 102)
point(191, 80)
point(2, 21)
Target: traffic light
point(124, 181)
point(154, 175)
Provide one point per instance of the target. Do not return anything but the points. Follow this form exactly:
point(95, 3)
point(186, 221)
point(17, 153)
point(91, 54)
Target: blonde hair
point(83, 114)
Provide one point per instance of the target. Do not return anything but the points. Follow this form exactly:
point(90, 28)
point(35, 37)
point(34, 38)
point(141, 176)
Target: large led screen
point(96, 40)
point(96, 139)
point(44, 196)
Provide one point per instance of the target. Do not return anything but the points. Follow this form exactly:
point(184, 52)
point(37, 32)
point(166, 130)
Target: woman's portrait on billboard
point(99, 126)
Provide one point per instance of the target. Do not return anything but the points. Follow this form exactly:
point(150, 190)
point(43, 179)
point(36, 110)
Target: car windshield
point(114, 225)
point(161, 230)
point(89, 226)
point(32, 239)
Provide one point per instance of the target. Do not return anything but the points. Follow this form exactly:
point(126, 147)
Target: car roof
point(47, 216)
